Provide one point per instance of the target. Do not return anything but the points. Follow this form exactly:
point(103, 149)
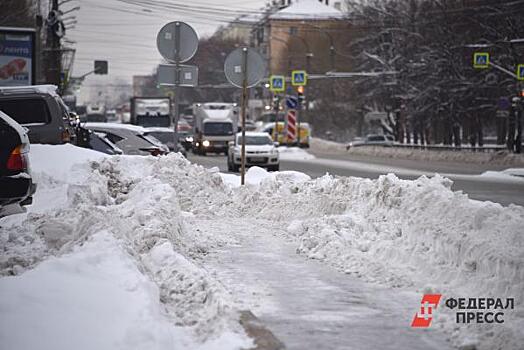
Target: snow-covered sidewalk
point(308, 305)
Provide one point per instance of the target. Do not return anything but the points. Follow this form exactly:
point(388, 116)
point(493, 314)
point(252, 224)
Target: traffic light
point(300, 91)
point(276, 102)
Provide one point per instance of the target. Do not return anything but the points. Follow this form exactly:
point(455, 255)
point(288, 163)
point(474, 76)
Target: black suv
point(41, 110)
point(16, 184)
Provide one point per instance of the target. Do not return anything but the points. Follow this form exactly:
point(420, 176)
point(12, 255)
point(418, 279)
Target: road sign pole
point(277, 109)
point(244, 102)
point(299, 112)
point(177, 83)
point(177, 42)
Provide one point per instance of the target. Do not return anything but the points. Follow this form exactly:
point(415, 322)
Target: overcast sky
point(125, 34)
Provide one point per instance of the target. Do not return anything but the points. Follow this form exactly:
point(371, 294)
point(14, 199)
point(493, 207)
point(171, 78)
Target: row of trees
point(436, 96)
point(430, 44)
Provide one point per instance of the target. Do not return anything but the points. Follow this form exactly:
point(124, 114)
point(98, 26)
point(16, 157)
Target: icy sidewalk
point(308, 305)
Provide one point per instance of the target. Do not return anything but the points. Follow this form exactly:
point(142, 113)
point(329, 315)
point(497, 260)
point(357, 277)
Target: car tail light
point(17, 160)
point(66, 136)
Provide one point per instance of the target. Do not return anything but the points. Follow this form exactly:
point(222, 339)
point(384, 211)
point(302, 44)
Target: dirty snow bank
point(322, 145)
point(498, 158)
point(412, 234)
point(135, 203)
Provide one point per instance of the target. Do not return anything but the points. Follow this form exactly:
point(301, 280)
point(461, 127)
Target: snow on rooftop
point(308, 9)
point(42, 89)
point(130, 127)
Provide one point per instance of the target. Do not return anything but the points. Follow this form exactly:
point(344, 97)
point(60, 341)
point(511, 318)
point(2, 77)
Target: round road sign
point(256, 67)
point(166, 41)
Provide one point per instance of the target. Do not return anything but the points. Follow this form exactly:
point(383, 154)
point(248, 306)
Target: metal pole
point(52, 62)
point(332, 55)
point(276, 108)
point(299, 107)
point(244, 102)
point(177, 82)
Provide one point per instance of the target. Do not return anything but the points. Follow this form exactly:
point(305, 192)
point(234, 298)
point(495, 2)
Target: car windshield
point(163, 136)
point(26, 110)
point(151, 139)
point(97, 143)
point(255, 140)
point(221, 128)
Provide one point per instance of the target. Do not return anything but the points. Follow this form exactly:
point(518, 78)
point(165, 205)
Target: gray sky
point(125, 34)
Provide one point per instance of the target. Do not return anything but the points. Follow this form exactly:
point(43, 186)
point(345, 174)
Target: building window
point(293, 30)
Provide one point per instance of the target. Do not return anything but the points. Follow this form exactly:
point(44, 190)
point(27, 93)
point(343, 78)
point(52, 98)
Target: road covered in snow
point(130, 252)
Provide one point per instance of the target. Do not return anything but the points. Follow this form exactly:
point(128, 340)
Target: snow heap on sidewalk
point(417, 235)
point(109, 265)
point(118, 225)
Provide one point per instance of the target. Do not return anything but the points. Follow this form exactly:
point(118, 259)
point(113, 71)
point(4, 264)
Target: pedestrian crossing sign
point(481, 60)
point(298, 78)
point(277, 83)
point(520, 72)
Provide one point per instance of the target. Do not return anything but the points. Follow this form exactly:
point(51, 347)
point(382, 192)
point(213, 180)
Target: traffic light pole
point(276, 108)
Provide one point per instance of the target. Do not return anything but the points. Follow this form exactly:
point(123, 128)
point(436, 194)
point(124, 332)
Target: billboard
point(17, 56)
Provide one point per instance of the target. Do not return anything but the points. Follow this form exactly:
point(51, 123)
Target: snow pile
point(322, 145)
point(91, 298)
point(133, 204)
point(294, 153)
point(411, 234)
point(255, 176)
point(416, 235)
point(514, 172)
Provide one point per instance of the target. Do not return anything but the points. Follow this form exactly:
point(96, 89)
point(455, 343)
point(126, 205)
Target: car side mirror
point(231, 143)
point(276, 144)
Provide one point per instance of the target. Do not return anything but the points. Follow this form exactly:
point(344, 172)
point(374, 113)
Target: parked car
point(39, 109)
point(16, 183)
point(372, 140)
point(167, 137)
point(99, 141)
point(260, 151)
point(131, 139)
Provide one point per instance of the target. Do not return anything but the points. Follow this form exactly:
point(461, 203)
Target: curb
point(263, 338)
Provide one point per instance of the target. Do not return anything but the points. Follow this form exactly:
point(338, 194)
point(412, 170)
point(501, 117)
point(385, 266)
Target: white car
point(260, 151)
